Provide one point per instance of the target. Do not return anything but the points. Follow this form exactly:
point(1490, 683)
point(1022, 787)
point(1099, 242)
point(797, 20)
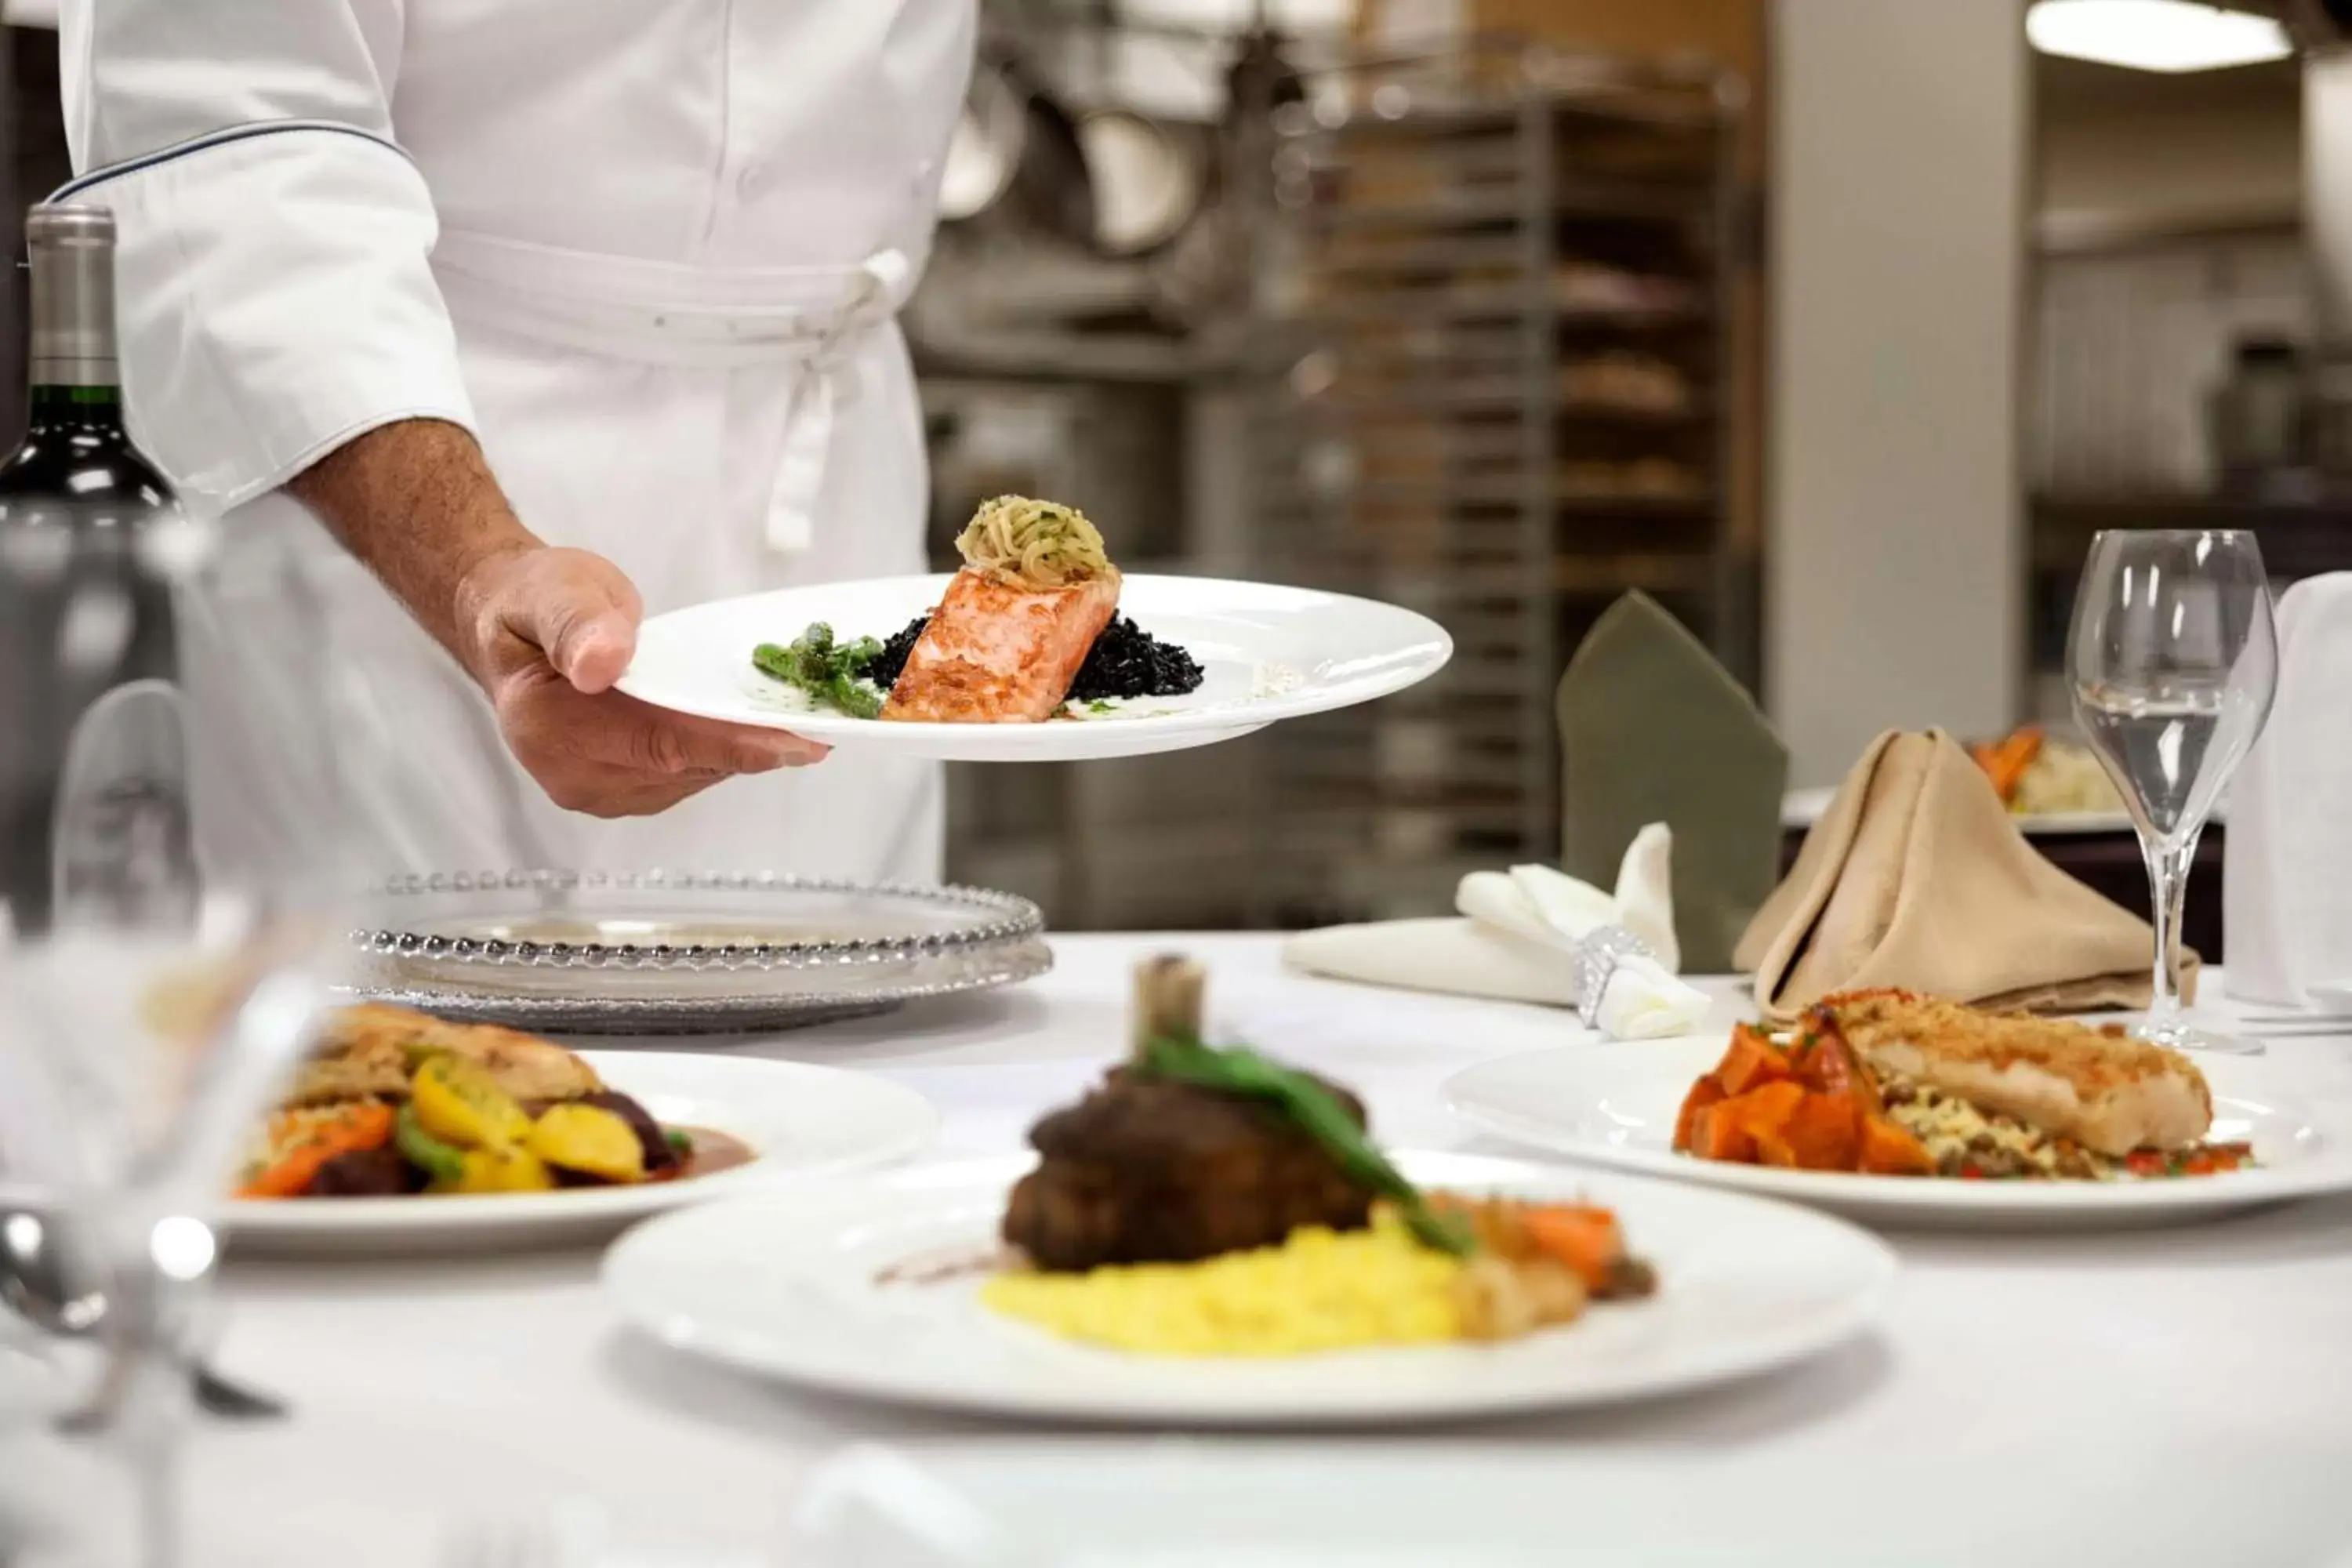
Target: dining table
point(2181, 1394)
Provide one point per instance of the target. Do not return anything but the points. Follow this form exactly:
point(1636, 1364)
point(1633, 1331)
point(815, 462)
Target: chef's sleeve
point(274, 294)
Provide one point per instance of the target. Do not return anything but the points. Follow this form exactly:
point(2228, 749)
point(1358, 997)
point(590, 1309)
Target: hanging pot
point(1016, 149)
point(1149, 181)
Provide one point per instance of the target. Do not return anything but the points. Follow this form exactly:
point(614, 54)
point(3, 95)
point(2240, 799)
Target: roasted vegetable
point(1813, 1108)
point(589, 1140)
point(1584, 1239)
point(459, 1103)
point(830, 672)
point(444, 1164)
point(1752, 1060)
point(2004, 762)
point(1889, 1150)
point(1496, 1298)
point(379, 1172)
point(502, 1168)
point(664, 1148)
point(302, 1143)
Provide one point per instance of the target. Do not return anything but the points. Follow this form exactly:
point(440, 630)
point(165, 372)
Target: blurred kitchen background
point(1835, 325)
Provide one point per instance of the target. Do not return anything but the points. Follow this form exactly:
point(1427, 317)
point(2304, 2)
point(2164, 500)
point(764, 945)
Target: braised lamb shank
point(1144, 1169)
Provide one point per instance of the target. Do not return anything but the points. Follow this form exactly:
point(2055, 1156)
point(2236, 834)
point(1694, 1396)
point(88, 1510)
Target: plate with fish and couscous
point(1913, 1110)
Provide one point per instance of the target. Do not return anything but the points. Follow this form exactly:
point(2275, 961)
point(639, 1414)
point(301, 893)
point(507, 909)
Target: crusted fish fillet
point(370, 1051)
point(999, 655)
point(2107, 1091)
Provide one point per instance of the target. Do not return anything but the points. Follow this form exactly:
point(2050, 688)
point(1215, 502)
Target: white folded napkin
point(2286, 898)
point(1513, 941)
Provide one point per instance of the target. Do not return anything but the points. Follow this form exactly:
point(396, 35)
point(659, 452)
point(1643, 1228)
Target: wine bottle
point(94, 817)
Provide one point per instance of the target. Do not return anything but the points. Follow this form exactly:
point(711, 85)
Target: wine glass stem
point(154, 1461)
point(150, 1385)
point(2168, 880)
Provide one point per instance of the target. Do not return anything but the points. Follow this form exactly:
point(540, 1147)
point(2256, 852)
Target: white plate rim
point(387, 1219)
point(1853, 1194)
point(1435, 647)
point(624, 1266)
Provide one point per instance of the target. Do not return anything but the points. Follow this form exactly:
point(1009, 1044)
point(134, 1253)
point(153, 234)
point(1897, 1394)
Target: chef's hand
point(549, 631)
point(545, 631)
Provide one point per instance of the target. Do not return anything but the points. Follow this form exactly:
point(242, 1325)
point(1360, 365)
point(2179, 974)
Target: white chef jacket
point(648, 251)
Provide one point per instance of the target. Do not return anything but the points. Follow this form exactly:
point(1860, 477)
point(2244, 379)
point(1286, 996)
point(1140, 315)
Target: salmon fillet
point(2107, 1091)
point(999, 655)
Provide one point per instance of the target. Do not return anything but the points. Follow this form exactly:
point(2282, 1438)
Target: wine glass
point(2173, 661)
point(170, 963)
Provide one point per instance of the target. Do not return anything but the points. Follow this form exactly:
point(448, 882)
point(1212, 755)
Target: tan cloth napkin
point(1916, 878)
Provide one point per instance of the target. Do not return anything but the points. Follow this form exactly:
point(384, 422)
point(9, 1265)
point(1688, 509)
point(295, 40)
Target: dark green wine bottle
point(93, 754)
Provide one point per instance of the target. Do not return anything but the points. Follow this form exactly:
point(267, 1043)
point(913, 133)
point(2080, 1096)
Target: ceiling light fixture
point(2155, 35)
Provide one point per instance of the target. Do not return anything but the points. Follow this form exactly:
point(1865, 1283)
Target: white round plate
point(1615, 1105)
point(787, 1285)
point(1267, 652)
point(800, 1122)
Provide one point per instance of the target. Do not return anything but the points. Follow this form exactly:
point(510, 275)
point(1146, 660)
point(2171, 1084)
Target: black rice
point(1126, 661)
point(883, 671)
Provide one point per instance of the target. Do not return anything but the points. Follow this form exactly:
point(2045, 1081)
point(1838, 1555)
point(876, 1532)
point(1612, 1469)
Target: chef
point(486, 328)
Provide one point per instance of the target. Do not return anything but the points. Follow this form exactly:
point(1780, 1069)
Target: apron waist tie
point(810, 317)
point(826, 384)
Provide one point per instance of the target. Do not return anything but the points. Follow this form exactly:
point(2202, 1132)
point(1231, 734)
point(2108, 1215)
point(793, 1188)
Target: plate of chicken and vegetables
point(402, 1130)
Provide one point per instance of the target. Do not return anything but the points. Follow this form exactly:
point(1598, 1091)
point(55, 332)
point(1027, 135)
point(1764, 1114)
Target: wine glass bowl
point(2173, 662)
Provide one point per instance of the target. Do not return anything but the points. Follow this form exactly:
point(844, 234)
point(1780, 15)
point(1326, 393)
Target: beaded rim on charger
point(988, 918)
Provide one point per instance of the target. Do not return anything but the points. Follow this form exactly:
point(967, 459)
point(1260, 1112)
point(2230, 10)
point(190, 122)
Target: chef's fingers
point(578, 609)
point(657, 741)
point(553, 727)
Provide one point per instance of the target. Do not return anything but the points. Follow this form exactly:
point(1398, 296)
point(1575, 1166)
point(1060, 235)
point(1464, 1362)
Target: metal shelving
point(1461, 229)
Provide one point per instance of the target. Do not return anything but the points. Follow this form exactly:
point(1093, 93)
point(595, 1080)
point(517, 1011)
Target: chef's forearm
point(416, 502)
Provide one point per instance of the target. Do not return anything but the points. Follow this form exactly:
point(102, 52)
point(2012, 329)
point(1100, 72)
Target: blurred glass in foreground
point(155, 989)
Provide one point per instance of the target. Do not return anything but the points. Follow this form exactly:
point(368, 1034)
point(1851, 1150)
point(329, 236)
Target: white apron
point(656, 277)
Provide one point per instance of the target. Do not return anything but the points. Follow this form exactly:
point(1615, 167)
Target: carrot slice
point(2005, 763)
point(365, 1126)
point(1587, 1241)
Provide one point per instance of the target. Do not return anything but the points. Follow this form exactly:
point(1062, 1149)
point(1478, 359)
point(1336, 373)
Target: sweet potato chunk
point(1823, 1133)
point(1890, 1150)
point(1707, 1092)
point(1750, 1060)
point(1716, 1134)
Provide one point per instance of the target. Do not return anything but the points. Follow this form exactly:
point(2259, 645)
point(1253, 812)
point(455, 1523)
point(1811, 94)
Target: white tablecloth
point(2195, 1386)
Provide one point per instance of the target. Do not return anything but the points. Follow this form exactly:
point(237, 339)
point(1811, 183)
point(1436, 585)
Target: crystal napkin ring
point(1594, 963)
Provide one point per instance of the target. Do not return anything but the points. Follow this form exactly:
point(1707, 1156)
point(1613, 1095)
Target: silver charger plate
point(664, 953)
